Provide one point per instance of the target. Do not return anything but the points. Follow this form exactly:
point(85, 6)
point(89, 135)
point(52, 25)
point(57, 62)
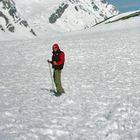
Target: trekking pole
point(53, 87)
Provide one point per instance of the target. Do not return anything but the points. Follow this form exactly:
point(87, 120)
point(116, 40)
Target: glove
point(49, 61)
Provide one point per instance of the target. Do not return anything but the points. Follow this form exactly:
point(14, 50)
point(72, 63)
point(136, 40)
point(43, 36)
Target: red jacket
point(59, 59)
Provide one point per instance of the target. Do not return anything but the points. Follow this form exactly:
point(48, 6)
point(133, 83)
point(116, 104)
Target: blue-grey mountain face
point(10, 19)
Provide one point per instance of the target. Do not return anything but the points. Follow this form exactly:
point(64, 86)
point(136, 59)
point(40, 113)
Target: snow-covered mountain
point(81, 14)
point(65, 15)
point(52, 16)
point(11, 20)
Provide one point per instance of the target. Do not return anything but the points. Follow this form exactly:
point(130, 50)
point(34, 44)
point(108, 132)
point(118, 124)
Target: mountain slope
point(10, 19)
point(77, 15)
point(65, 15)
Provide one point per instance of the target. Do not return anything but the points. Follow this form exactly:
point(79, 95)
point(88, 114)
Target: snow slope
point(101, 78)
point(123, 16)
point(65, 15)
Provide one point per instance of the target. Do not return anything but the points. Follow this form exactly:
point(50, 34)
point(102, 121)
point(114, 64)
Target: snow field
point(101, 78)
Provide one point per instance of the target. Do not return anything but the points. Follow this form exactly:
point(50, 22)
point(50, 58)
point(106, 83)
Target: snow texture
point(101, 78)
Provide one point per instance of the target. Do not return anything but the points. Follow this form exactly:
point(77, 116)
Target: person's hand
point(49, 61)
point(55, 63)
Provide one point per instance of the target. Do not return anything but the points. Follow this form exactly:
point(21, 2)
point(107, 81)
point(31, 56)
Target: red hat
point(56, 46)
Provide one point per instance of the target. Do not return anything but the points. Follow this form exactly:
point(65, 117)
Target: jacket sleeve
point(62, 59)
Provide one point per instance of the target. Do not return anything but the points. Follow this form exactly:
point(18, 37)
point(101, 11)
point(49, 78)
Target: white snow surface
point(101, 78)
point(38, 12)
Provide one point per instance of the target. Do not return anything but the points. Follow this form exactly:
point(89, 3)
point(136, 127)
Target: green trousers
point(57, 81)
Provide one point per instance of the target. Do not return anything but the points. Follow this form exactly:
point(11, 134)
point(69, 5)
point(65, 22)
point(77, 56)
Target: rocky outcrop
point(10, 19)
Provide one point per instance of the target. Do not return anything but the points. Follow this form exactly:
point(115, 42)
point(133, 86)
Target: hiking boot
point(57, 94)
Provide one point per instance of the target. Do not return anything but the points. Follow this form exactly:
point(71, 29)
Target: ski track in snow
point(101, 78)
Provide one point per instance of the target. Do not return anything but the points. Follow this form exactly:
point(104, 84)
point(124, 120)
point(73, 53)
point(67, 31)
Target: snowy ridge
point(10, 19)
point(124, 16)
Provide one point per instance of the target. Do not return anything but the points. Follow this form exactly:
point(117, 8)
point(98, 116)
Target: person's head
point(55, 47)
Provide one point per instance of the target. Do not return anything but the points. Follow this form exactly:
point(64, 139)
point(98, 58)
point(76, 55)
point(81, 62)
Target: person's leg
point(57, 80)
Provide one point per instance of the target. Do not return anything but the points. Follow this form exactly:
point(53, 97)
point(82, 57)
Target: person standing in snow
point(58, 60)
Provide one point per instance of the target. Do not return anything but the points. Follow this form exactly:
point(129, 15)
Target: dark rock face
point(58, 13)
point(1, 28)
point(9, 26)
point(12, 18)
point(95, 7)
